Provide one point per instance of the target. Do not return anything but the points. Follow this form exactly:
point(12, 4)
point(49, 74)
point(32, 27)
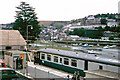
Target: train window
point(8, 47)
point(73, 62)
point(66, 61)
point(42, 56)
point(36, 54)
point(49, 57)
point(55, 59)
point(60, 60)
point(100, 67)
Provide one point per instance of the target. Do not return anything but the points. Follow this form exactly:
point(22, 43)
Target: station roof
point(83, 56)
point(11, 38)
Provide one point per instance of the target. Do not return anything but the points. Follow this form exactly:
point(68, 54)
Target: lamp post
point(27, 31)
point(27, 47)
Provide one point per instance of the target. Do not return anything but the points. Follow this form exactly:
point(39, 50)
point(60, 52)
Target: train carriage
point(72, 61)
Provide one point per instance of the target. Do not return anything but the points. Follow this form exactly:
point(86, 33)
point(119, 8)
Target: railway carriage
point(72, 61)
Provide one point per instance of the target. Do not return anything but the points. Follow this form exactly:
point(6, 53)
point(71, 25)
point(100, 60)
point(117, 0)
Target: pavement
point(106, 74)
point(46, 72)
point(40, 71)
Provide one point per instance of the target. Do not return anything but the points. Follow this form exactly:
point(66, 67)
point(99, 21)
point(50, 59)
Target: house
point(11, 40)
point(61, 36)
point(109, 34)
point(104, 38)
point(6, 26)
point(112, 24)
point(73, 37)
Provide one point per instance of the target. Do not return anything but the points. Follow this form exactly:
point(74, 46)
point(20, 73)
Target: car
point(8, 73)
point(2, 64)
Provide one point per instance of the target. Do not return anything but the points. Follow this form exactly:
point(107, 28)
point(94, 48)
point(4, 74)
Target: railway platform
point(103, 73)
point(44, 72)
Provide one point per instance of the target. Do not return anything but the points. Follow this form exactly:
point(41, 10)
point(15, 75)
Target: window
point(60, 60)
point(42, 56)
point(55, 59)
point(36, 54)
point(8, 72)
point(2, 64)
point(100, 67)
point(66, 61)
point(8, 47)
point(21, 47)
point(73, 62)
point(49, 57)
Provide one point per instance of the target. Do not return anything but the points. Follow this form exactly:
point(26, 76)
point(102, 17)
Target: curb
point(24, 75)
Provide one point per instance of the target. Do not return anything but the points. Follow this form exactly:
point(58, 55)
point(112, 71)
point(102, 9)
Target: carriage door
point(37, 57)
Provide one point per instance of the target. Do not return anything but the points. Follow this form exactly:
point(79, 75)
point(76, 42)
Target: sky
point(58, 10)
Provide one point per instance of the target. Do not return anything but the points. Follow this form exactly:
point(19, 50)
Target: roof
point(76, 36)
point(6, 69)
point(11, 38)
point(83, 56)
point(17, 52)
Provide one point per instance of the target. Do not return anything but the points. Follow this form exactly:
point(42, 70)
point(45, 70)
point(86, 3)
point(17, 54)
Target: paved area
point(46, 72)
point(40, 71)
point(106, 73)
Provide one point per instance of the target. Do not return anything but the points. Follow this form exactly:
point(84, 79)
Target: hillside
point(53, 23)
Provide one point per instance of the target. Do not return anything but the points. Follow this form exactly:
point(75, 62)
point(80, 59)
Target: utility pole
point(26, 66)
point(67, 35)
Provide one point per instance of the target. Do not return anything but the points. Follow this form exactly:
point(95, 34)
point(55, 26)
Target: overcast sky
point(58, 9)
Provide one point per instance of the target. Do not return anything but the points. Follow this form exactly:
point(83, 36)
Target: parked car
point(8, 73)
point(2, 64)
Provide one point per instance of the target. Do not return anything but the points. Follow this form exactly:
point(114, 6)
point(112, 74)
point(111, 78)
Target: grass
point(60, 48)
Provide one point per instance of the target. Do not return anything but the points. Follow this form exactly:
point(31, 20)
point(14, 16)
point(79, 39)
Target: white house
point(73, 37)
point(112, 24)
point(104, 38)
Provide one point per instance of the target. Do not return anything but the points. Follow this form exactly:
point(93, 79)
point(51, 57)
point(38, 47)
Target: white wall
point(80, 64)
point(93, 66)
point(111, 68)
point(12, 47)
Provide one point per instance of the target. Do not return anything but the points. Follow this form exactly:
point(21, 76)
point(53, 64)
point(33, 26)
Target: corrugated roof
point(11, 38)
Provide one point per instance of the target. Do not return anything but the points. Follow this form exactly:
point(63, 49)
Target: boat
point(106, 47)
point(85, 45)
point(112, 46)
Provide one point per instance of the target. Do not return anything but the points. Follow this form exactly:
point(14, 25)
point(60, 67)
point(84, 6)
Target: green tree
point(107, 28)
point(103, 21)
point(99, 28)
point(25, 15)
point(79, 32)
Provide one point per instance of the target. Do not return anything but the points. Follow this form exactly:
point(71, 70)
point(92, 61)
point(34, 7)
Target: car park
point(8, 73)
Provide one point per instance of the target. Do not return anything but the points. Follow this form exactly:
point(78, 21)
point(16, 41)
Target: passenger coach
point(73, 61)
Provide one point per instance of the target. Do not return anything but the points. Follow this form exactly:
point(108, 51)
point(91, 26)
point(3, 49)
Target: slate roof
point(11, 38)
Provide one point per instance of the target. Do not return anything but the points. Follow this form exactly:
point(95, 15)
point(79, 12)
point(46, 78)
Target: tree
point(103, 21)
point(80, 32)
point(99, 28)
point(107, 28)
point(26, 16)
